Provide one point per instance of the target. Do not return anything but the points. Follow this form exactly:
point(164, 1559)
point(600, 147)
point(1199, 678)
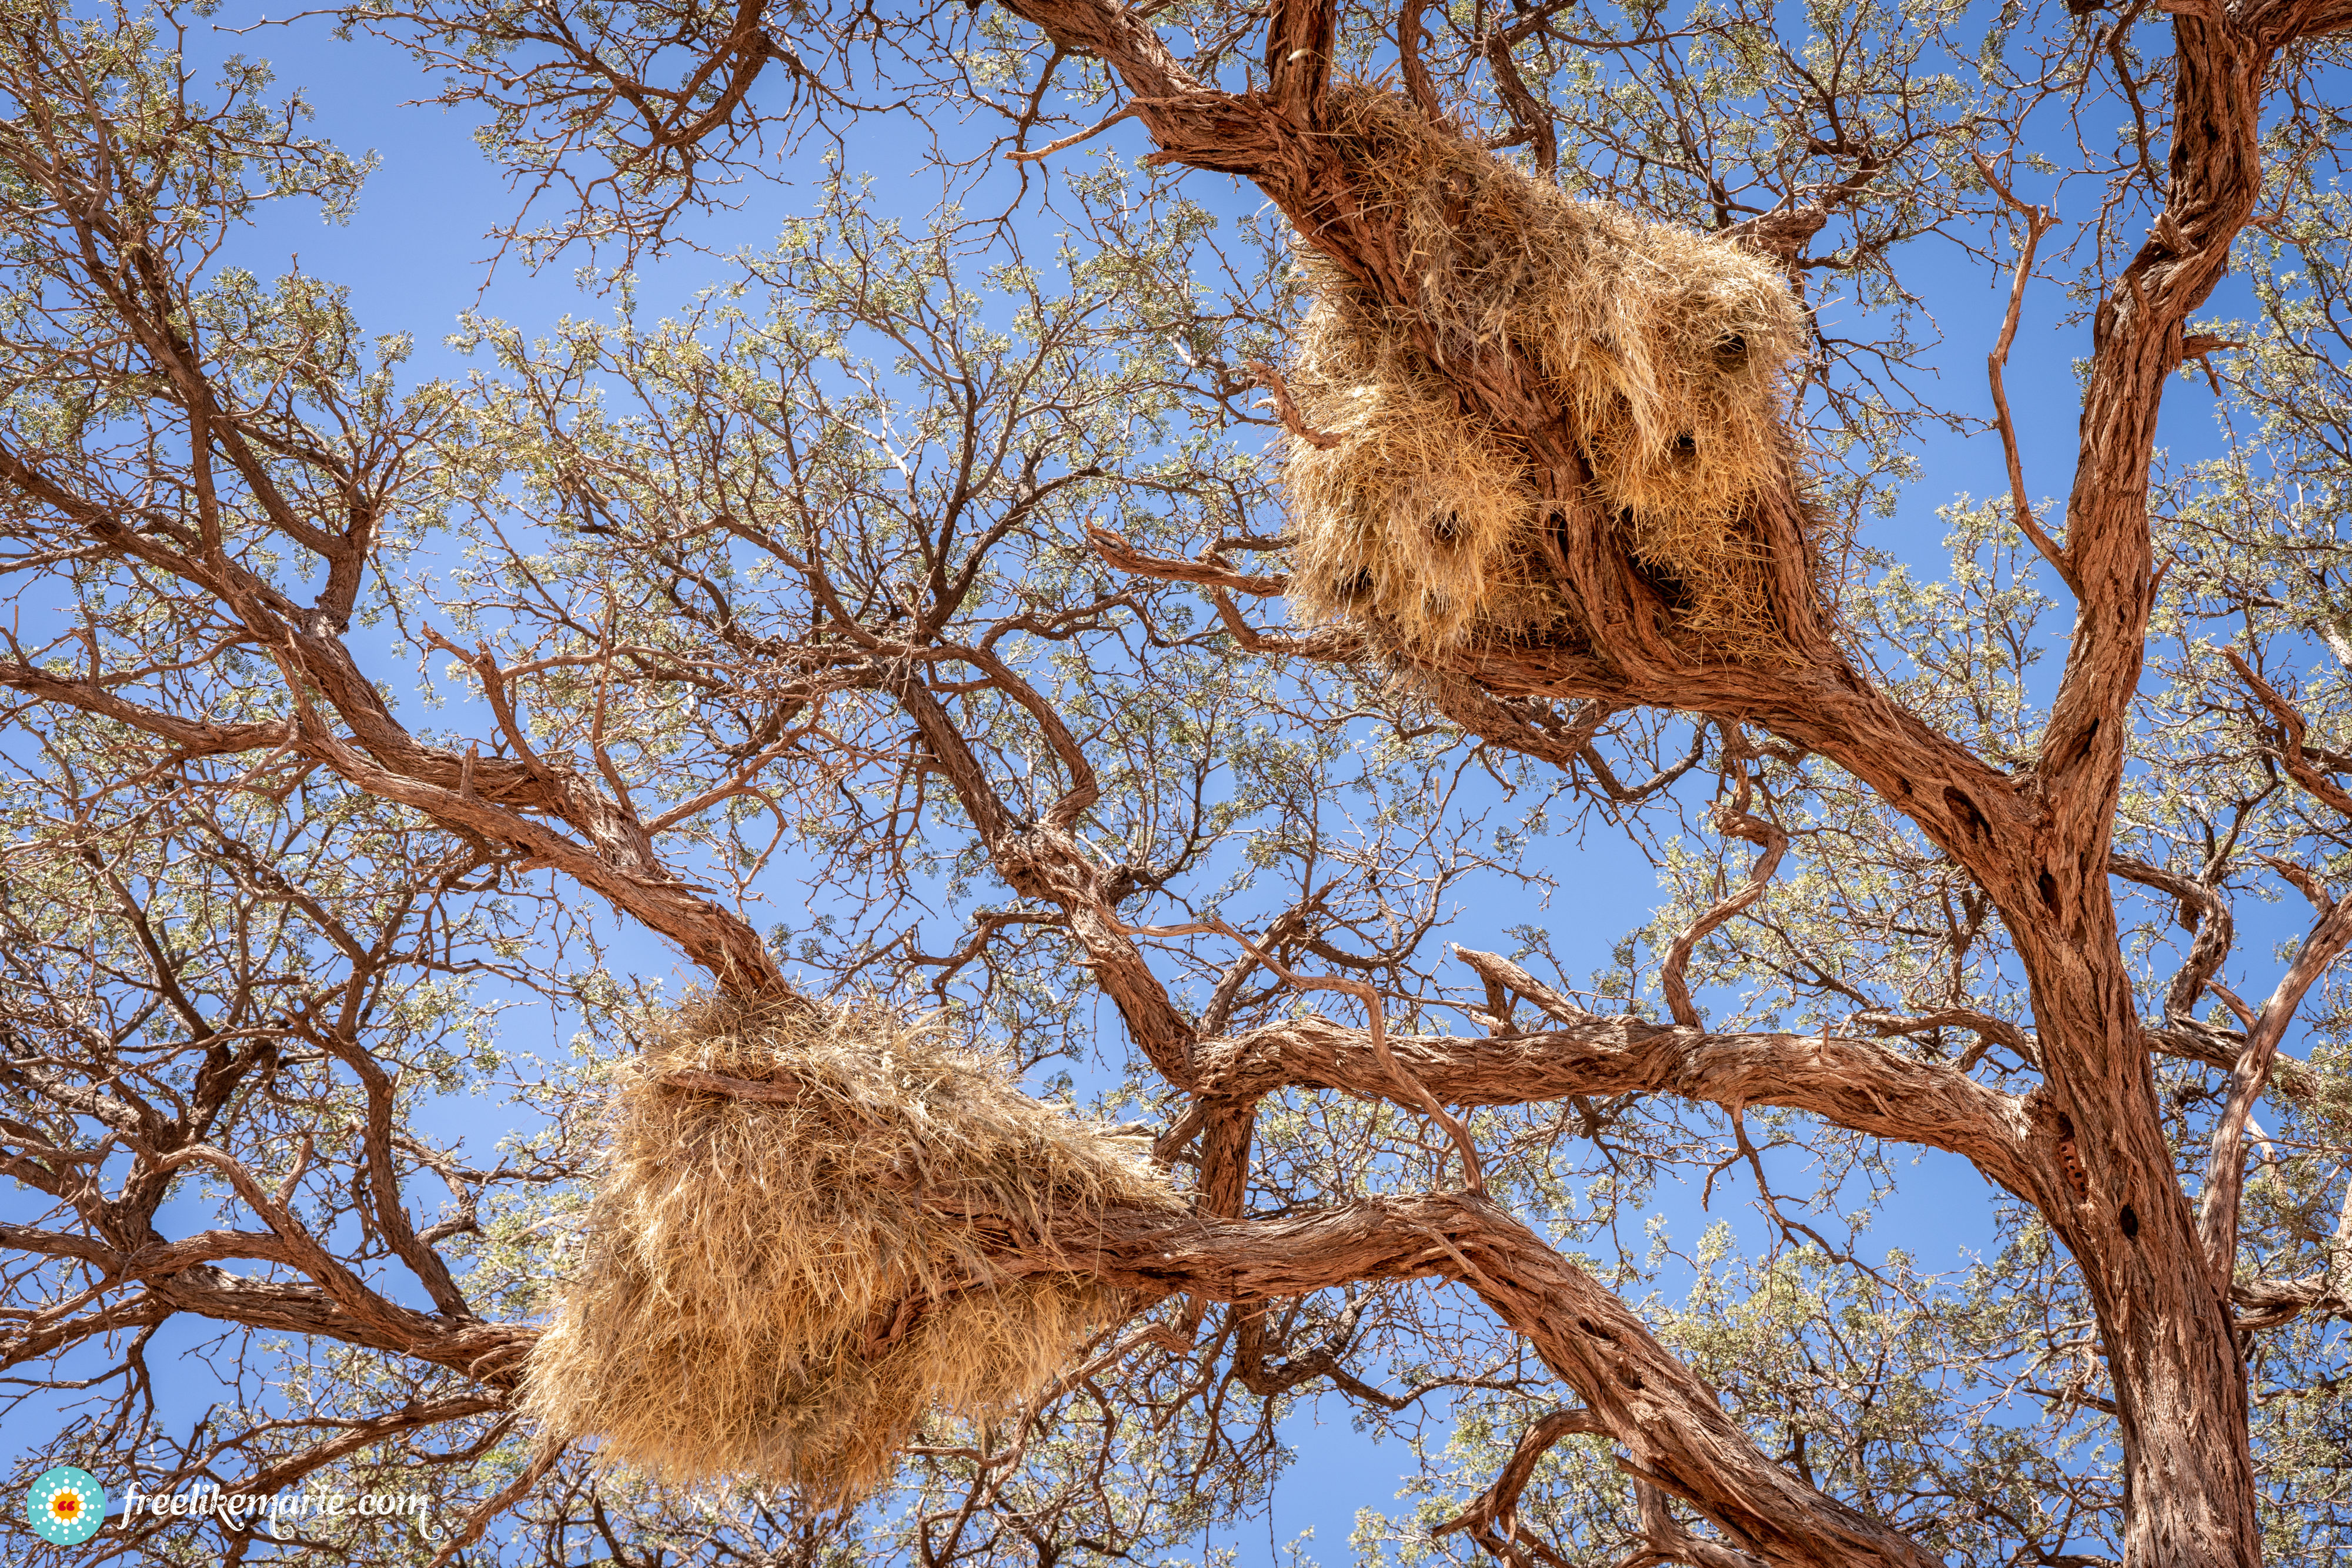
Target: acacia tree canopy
point(926, 573)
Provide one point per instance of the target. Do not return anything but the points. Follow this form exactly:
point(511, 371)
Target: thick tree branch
point(1857, 1085)
point(2292, 747)
point(367, 746)
point(1492, 1518)
point(1298, 57)
point(1045, 861)
point(2217, 1219)
point(2201, 904)
point(1671, 1424)
point(1118, 552)
point(2274, 1304)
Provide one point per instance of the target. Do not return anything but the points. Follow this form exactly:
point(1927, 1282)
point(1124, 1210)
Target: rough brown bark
point(1671, 1424)
point(2087, 1148)
point(340, 720)
point(2038, 842)
point(1855, 1084)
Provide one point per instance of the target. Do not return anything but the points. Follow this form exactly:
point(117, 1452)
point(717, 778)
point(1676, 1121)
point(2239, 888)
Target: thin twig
point(1088, 134)
point(514, 1491)
point(2037, 222)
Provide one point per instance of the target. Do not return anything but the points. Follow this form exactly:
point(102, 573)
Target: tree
point(938, 565)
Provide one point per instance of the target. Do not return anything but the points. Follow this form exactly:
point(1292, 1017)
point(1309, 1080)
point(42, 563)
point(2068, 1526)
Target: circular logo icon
point(67, 1506)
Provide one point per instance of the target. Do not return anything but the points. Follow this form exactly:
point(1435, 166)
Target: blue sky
point(413, 260)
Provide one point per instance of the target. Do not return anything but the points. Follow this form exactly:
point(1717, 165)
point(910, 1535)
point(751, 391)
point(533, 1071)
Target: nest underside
point(786, 1288)
point(1668, 349)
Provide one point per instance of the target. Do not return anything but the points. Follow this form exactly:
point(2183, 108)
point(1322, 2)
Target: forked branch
point(1399, 1084)
point(2038, 220)
point(1418, 86)
point(1672, 1426)
point(2292, 749)
point(1298, 57)
point(1492, 1519)
point(2225, 1165)
point(1731, 817)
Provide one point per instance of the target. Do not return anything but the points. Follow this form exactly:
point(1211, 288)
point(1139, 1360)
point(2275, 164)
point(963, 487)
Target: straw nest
point(783, 1288)
point(1670, 352)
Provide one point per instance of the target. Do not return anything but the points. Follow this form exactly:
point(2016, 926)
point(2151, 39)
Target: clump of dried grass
point(783, 1288)
point(1669, 349)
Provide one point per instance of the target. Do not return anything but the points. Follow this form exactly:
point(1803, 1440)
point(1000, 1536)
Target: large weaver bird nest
point(1669, 352)
point(793, 1252)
